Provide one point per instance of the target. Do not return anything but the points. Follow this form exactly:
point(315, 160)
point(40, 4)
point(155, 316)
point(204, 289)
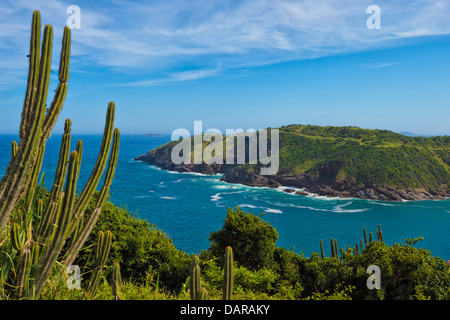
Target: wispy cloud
point(379, 65)
point(176, 77)
point(150, 37)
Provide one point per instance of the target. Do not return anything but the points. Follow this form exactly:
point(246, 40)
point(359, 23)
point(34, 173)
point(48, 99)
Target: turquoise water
point(187, 207)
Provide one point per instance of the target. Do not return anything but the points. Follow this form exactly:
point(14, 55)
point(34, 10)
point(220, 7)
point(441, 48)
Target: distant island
point(340, 162)
point(153, 135)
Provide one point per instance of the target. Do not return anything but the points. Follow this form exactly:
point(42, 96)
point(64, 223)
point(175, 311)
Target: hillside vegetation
point(152, 268)
point(342, 161)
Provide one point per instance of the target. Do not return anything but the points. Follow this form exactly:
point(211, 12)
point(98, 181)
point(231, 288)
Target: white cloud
point(378, 65)
point(160, 36)
point(177, 77)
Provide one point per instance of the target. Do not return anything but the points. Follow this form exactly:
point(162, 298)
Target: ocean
point(187, 207)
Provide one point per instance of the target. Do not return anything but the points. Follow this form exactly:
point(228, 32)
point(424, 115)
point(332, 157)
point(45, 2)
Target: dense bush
point(252, 239)
point(141, 249)
point(406, 272)
point(265, 271)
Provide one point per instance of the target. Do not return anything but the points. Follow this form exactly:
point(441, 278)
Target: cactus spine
point(228, 274)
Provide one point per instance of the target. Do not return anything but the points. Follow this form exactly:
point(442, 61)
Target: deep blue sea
point(187, 207)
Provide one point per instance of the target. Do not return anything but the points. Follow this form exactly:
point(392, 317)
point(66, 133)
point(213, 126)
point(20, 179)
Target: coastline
point(292, 184)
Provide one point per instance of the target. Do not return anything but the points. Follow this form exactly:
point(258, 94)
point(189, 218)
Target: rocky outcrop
point(324, 184)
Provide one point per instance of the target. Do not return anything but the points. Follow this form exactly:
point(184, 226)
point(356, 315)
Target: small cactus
point(116, 281)
point(322, 253)
point(13, 149)
point(336, 248)
point(194, 280)
point(203, 295)
point(333, 251)
point(379, 234)
point(365, 236)
point(16, 237)
point(23, 272)
point(104, 240)
point(228, 274)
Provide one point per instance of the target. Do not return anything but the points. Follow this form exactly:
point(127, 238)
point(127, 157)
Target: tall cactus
point(65, 215)
point(36, 123)
point(39, 229)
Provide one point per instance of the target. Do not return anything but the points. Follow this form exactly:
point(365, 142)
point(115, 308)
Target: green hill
point(343, 162)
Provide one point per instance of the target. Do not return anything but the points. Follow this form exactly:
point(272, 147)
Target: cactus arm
point(61, 90)
point(100, 164)
point(30, 193)
point(104, 192)
point(13, 149)
point(22, 272)
point(104, 240)
point(116, 281)
point(34, 129)
point(16, 237)
point(33, 71)
point(54, 248)
point(13, 187)
point(48, 218)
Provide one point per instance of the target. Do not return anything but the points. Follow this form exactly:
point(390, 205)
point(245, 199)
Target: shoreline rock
point(310, 185)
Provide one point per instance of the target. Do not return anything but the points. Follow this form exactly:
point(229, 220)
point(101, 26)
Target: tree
point(252, 239)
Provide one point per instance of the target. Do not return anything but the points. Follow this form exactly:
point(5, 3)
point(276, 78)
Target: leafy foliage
point(141, 249)
point(146, 254)
point(252, 239)
point(355, 157)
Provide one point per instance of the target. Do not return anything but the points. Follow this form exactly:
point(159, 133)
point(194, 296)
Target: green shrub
point(140, 248)
point(252, 239)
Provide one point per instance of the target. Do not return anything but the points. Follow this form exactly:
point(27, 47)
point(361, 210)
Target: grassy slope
point(366, 158)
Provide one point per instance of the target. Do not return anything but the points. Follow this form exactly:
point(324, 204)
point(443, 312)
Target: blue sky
point(239, 64)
